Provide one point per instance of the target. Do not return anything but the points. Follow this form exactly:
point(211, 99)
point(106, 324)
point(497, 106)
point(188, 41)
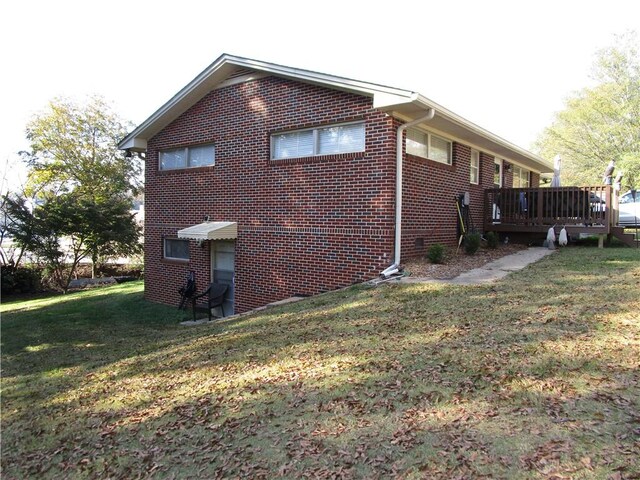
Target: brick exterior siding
point(430, 189)
point(534, 181)
point(305, 225)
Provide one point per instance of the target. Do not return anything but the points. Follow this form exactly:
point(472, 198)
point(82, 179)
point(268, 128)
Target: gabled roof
point(403, 104)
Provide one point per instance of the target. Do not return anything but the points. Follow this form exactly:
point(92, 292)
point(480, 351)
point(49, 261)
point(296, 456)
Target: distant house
point(280, 182)
point(137, 210)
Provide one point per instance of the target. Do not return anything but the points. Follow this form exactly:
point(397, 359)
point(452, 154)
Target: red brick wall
point(430, 189)
point(507, 175)
point(304, 225)
point(534, 182)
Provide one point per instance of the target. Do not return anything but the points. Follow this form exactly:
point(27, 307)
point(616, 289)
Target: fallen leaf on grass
point(586, 461)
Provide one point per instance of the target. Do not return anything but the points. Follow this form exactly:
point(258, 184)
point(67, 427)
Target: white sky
point(504, 65)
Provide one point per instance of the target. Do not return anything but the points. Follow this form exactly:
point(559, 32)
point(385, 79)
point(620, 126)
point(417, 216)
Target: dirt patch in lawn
point(455, 264)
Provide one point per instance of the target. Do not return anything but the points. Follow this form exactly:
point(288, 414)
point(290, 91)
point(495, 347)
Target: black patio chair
point(215, 298)
point(188, 290)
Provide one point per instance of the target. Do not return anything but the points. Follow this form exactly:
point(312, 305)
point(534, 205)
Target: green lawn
point(533, 377)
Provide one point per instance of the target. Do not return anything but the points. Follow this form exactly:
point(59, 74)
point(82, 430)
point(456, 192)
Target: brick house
point(281, 182)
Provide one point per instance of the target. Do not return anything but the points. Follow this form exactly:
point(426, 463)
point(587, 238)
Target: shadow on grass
point(96, 326)
point(508, 380)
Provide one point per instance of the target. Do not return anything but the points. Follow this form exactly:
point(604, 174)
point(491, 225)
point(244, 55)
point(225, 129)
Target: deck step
point(626, 238)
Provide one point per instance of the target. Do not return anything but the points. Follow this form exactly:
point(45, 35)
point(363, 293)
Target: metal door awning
point(210, 231)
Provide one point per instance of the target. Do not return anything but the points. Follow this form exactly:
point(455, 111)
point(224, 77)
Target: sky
point(506, 66)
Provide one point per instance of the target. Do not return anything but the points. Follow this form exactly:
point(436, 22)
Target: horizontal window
point(329, 140)
point(428, 145)
point(188, 157)
point(176, 249)
point(474, 168)
point(418, 143)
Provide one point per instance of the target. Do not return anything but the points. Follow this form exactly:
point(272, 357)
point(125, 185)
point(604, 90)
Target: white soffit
point(210, 231)
point(453, 125)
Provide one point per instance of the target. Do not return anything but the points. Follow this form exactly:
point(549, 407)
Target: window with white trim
point(430, 146)
point(521, 177)
point(497, 172)
point(344, 138)
point(188, 157)
point(176, 249)
point(474, 167)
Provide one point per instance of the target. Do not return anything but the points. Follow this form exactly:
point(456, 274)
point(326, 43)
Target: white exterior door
point(223, 253)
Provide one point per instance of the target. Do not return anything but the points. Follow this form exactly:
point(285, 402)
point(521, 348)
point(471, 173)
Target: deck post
point(601, 240)
point(539, 207)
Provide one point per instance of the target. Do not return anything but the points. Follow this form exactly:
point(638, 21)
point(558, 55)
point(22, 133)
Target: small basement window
point(188, 157)
point(176, 249)
point(429, 146)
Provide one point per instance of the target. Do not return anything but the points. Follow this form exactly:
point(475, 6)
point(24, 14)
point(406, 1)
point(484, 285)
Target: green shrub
point(471, 243)
point(492, 239)
point(435, 254)
point(20, 280)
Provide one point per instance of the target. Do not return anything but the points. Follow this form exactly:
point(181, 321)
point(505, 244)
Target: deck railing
point(536, 208)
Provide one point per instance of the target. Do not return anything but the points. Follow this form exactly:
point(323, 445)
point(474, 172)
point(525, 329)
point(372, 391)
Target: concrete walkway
point(492, 271)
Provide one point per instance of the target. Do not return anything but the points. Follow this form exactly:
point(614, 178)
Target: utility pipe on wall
point(398, 227)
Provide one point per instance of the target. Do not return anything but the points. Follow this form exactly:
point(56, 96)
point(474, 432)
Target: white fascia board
point(386, 101)
point(493, 144)
point(323, 79)
point(454, 118)
point(135, 144)
point(176, 106)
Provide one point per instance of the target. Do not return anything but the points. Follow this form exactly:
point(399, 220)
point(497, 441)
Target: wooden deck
point(591, 209)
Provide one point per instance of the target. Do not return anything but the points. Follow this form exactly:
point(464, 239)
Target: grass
point(533, 377)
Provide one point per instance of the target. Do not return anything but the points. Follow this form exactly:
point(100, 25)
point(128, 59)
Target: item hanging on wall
point(462, 230)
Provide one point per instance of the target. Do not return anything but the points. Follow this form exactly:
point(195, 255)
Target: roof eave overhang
point(177, 105)
point(134, 144)
point(215, 75)
point(402, 104)
point(461, 129)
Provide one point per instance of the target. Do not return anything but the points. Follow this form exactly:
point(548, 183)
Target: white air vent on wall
point(239, 73)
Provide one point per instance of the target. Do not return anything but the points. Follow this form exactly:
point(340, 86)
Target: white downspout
point(393, 269)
